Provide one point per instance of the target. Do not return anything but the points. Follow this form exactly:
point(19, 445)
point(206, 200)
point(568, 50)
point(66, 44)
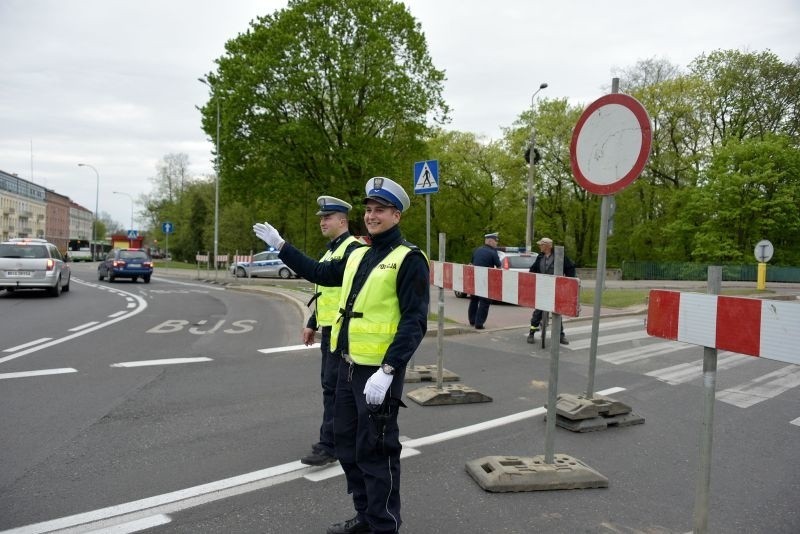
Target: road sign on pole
point(167, 227)
point(426, 177)
point(133, 234)
point(610, 144)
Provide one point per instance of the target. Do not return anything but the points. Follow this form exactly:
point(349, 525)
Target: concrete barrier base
point(520, 473)
point(427, 373)
point(581, 414)
point(449, 394)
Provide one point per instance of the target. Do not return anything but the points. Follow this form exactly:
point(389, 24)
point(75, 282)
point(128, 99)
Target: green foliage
point(317, 98)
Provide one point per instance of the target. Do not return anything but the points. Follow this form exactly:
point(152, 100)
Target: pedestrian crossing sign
point(426, 177)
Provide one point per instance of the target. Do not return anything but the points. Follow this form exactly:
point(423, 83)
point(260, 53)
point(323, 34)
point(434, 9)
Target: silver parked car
point(29, 263)
point(264, 264)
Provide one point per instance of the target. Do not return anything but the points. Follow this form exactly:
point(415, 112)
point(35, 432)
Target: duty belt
point(347, 358)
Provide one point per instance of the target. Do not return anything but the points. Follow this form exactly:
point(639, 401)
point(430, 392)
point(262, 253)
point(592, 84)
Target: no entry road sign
point(610, 144)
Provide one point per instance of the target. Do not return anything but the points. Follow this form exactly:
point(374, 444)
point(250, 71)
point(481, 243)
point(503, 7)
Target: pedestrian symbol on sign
point(426, 177)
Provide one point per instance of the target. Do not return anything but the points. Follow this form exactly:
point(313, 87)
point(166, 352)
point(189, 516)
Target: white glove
point(267, 233)
point(377, 386)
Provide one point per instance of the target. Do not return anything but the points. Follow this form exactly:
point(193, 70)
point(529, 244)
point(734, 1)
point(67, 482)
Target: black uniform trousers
point(368, 448)
point(329, 369)
point(478, 310)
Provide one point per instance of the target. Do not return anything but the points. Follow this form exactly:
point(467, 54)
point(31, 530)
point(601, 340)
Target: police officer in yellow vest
point(333, 224)
point(383, 318)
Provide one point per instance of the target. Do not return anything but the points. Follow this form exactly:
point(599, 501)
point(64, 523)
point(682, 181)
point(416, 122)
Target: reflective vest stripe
point(328, 301)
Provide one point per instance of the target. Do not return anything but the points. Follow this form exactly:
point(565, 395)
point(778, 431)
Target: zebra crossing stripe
point(686, 372)
point(762, 388)
point(643, 353)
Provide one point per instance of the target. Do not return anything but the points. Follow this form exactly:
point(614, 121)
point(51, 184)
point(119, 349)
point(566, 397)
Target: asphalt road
point(212, 445)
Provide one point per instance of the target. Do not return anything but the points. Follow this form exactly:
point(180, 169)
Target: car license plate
point(19, 274)
point(134, 265)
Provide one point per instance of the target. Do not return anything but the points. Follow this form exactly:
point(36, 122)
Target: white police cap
point(493, 235)
point(329, 205)
point(387, 192)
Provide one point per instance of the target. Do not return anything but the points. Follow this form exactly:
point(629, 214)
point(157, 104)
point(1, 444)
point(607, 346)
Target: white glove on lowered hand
point(377, 386)
point(268, 234)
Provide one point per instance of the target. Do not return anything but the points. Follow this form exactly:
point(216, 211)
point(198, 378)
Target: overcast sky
point(113, 83)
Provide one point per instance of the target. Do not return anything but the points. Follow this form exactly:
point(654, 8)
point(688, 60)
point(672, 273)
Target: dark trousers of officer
point(368, 449)
point(478, 310)
point(536, 320)
point(329, 369)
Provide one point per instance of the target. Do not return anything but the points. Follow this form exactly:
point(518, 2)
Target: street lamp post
point(216, 186)
point(531, 196)
point(130, 239)
point(96, 212)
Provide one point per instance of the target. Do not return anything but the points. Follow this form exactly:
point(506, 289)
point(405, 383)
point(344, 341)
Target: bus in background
point(79, 250)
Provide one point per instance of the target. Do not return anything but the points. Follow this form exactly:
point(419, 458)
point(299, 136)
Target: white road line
point(28, 344)
point(606, 326)
point(795, 422)
point(204, 286)
point(606, 340)
point(288, 348)
point(51, 343)
point(685, 372)
point(228, 487)
point(335, 469)
point(81, 327)
point(131, 305)
point(762, 388)
point(167, 361)
point(644, 352)
point(136, 526)
point(26, 374)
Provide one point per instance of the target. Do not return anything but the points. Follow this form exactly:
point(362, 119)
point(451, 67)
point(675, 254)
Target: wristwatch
point(388, 369)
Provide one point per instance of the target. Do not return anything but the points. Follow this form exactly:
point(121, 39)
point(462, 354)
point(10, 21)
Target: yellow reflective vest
point(328, 300)
point(376, 310)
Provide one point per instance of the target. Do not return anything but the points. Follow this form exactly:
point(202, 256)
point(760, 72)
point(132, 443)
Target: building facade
point(23, 208)
point(80, 222)
point(57, 227)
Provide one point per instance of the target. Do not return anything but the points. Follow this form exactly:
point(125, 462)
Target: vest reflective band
point(328, 301)
point(372, 331)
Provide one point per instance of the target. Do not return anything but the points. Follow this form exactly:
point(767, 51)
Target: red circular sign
point(610, 144)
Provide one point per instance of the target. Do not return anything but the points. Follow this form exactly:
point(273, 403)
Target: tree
point(318, 97)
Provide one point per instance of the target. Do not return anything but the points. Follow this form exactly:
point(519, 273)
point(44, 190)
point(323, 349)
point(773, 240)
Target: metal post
point(702, 490)
point(529, 210)
point(428, 228)
point(600, 281)
point(216, 182)
point(599, 285)
point(552, 387)
point(96, 210)
point(440, 331)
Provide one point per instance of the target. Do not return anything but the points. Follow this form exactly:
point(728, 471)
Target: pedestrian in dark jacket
point(483, 256)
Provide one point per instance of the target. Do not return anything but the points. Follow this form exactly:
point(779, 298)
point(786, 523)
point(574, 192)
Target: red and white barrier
point(246, 259)
point(201, 258)
point(764, 328)
point(558, 294)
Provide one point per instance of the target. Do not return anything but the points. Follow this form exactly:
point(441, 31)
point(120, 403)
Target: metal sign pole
point(703, 488)
point(440, 331)
point(599, 285)
point(552, 387)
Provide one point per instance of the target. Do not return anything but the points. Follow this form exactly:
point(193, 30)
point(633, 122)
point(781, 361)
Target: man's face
point(492, 242)
point(332, 225)
point(545, 248)
point(379, 218)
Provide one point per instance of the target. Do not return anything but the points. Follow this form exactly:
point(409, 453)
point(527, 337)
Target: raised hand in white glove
point(267, 233)
point(377, 386)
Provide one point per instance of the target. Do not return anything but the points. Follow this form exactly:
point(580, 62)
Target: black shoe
point(531, 339)
point(479, 327)
point(351, 526)
point(317, 457)
point(563, 340)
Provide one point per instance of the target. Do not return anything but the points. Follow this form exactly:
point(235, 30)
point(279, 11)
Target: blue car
point(133, 263)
